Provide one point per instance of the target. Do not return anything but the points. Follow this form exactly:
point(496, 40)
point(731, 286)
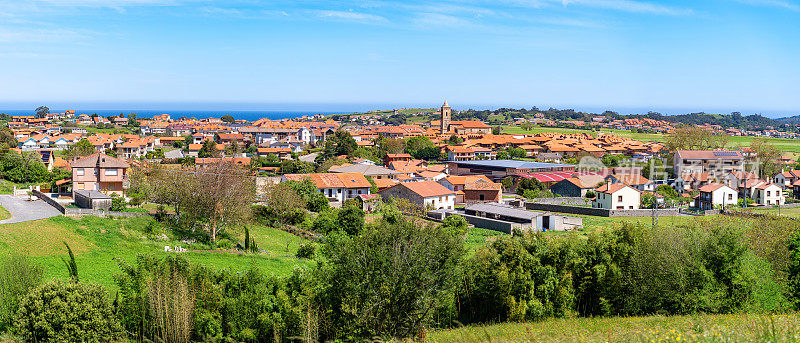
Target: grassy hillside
point(698, 328)
point(97, 242)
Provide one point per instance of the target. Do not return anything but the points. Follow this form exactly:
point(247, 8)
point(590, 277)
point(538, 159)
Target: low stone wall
point(488, 223)
point(100, 213)
point(586, 211)
point(600, 212)
point(568, 201)
point(48, 200)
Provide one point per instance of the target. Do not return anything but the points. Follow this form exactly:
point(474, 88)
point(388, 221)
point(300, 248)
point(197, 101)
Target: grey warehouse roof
point(504, 210)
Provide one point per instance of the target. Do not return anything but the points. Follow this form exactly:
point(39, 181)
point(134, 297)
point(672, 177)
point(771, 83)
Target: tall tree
point(42, 111)
point(80, 149)
point(766, 158)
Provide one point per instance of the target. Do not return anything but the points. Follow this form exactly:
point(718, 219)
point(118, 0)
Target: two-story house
point(716, 194)
point(99, 172)
point(617, 196)
point(717, 163)
point(336, 186)
point(768, 194)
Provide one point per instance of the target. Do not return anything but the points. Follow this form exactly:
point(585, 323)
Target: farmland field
point(695, 328)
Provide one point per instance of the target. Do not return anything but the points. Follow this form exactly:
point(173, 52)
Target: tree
point(187, 140)
point(23, 168)
point(7, 137)
point(227, 118)
point(133, 121)
point(455, 140)
point(72, 267)
point(766, 161)
point(218, 196)
point(345, 143)
point(351, 220)
point(415, 144)
point(695, 138)
point(497, 130)
point(80, 149)
point(503, 155)
point(391, 281)
point(42, 111)
point(209, 149)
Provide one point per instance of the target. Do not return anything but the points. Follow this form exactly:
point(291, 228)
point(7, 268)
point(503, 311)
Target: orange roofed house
point(99, 172)
point(336, 186)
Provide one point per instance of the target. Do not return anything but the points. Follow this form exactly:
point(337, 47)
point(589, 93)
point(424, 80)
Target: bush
point(62, 311)
point(17, 277)
point(118, 203)
point(590, 194)
point(351, 220)
point(394, 279)
point(305, 251)
point(326, 222)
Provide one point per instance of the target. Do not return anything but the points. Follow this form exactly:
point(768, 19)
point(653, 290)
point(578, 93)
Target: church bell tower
point(446, 112)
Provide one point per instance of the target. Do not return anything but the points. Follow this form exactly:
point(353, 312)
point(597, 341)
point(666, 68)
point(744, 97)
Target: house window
point(79, 172)
point(481, 197)
point(768, 193)
point(619, 198)
point(730, 196)
point(111, 172)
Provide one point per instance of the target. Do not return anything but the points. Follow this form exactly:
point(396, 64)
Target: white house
point(336, 186)
point(787, 178)
point(768, 194)
point(617, 196)
point(716, 194)
point(425, 194)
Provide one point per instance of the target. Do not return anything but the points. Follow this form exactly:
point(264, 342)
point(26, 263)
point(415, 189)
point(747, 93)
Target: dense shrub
point(224, 306)
point(18, 275)
point(350, 220)
point(62, 311)
point(391, 281)
point(522, 277)
point(305, 251)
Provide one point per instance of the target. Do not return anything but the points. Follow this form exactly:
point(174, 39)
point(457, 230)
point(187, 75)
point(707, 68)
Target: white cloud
point(351, 16)
point(773, 3)
point(617, 5)
point(630, 6)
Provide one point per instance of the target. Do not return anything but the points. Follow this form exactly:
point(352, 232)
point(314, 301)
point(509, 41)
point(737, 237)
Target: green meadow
point(694, 328)
point(98, 242)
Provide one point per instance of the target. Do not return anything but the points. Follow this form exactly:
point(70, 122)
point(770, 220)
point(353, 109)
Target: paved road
point(23, 211)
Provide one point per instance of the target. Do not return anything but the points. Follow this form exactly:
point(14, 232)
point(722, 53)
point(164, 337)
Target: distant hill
point(789, 120)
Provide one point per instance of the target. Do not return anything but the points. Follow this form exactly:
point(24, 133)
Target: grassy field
point(4, 213)
point(790, 212)
point(601, 223)
point(696, 328)
point(786, 145)
point(97, 242)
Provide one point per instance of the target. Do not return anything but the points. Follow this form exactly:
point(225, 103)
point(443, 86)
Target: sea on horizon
point(175, 114)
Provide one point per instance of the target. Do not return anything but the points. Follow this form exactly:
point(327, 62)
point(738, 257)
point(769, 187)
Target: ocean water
point(246, 115)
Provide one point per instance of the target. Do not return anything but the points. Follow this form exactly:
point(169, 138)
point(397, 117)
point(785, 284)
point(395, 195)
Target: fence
point(84, 211)
point(48, 200)
point(101, 213)
point(601, 212)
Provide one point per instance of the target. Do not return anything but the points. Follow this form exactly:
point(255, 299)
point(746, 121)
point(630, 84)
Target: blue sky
point(714, 55)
